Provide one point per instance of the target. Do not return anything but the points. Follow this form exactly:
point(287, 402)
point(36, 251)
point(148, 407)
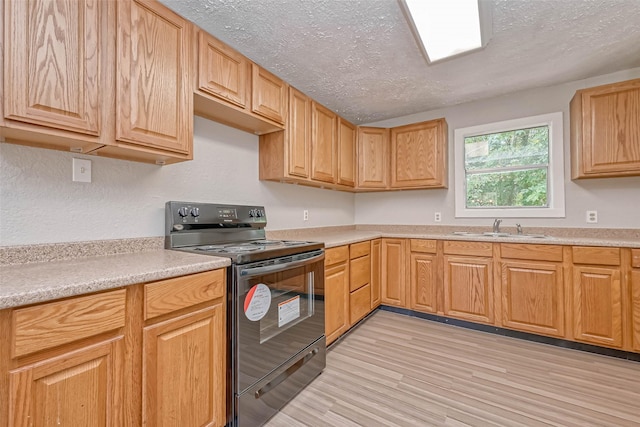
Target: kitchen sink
point(503, 235)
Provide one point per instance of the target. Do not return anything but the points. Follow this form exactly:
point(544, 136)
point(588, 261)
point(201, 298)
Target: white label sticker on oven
point(257, 302)
point(288, 310)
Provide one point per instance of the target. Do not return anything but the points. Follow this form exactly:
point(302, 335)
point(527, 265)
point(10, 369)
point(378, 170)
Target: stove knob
point(258, 213)
point(195, 212)
point(251, 213)
point(183, 211)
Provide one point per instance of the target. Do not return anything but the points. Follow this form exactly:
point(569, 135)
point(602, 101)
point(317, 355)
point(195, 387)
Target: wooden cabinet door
point(376, 260)
point(154, 77)
point(55, 62)
point(423, 282)
point(533, 297)
point(394, 286)
point(635, 307)
point(418, 155)
point(346, 153)
point(299, 134)
point(81, 388)
point(323, 143)
point(468, 288)
point(605, 131)
point(373, 157)
point(222, 72)
point(184, 370)
point(597, 305)
point(269, 95)
point(336, 300)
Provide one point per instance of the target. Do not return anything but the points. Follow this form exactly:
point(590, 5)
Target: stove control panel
point(179, 215)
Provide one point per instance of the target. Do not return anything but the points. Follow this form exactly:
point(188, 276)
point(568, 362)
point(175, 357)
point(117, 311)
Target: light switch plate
point(81, 170)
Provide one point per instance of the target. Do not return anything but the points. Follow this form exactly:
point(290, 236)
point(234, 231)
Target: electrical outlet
point(81, 170)
point(592, 217)
point(437, 217)
point(305, 215)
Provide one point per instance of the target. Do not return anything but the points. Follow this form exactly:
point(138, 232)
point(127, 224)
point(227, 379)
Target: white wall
point(40, 204)
point(617, 200)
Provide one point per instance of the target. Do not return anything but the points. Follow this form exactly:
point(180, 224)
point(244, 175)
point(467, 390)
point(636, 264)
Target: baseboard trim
point(604, 351)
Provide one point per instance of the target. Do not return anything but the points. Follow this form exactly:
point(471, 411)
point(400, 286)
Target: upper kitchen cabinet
point(419, 155)
point(605, 131)
point(346, 153)
point(373, 158)
point(55, 63)
point(286, 155)
point(66, 61)
point(324, 133)
point(224, 90)
point(268, 95)
point(154, 68)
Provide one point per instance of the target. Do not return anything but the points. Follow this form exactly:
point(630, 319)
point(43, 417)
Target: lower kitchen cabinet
point(336, 292)
point(394, 289)
point(468, 281)
point(81, 387)
point(183, 370)
point(376, 262)
point(88, 360)
point(423, 272)
point(597, 296)
point(532, 287)
point(359, 281)
point(635, 304)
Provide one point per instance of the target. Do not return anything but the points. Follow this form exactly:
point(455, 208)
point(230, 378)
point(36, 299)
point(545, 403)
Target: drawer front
point(174, 294)
point(420, 245)
point(635, 258)
point(360, 272)
point(360, 249)
point(359, 304)
point(596, 255)
point(49, 325)
point(532, 252)
point(336, 255)
point(468, 248)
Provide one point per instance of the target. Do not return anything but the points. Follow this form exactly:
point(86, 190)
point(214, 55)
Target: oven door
point(279, 311)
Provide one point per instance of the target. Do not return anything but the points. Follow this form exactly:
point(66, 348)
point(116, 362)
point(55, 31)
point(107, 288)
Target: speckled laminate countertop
point(338, 236)
point(29, 283)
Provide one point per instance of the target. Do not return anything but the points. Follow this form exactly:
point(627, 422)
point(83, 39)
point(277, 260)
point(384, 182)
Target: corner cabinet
point(419, 155)
point(393, 273)
point(373, 158)
point(605, 131)
point(424, 275)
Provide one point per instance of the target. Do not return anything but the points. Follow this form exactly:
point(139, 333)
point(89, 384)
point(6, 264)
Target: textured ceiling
point(359, 57)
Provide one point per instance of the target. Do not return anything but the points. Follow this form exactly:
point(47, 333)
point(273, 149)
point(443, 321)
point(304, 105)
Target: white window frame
point(555, 195)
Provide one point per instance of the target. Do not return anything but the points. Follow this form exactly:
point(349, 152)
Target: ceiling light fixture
point(448, 28)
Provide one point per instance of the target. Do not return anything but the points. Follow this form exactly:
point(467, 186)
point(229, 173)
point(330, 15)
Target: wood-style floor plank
point(395, 370)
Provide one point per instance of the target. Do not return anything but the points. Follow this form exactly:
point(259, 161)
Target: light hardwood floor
point(396, 370)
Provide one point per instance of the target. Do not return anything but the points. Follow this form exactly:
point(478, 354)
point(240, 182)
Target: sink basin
point(503, 235)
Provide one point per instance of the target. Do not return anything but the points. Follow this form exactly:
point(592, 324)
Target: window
point(511, 169)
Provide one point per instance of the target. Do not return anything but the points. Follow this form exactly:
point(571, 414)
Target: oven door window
point(279, 301)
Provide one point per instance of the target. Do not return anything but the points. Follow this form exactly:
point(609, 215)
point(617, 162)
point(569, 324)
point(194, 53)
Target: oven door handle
point(255, 271)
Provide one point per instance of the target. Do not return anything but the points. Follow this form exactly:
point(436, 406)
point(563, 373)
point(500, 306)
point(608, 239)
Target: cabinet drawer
point(635, 258)
point(419, 245)
point(468, 248)
point(49, 325)
point(336, 255)
point(360, 272)
point(360, 249)
point(532, 252)
point(596, 255)
point(181, 292)
point(359, 303)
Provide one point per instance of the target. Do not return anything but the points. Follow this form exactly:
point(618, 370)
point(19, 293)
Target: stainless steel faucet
point(518, 229)
point(496, 225)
